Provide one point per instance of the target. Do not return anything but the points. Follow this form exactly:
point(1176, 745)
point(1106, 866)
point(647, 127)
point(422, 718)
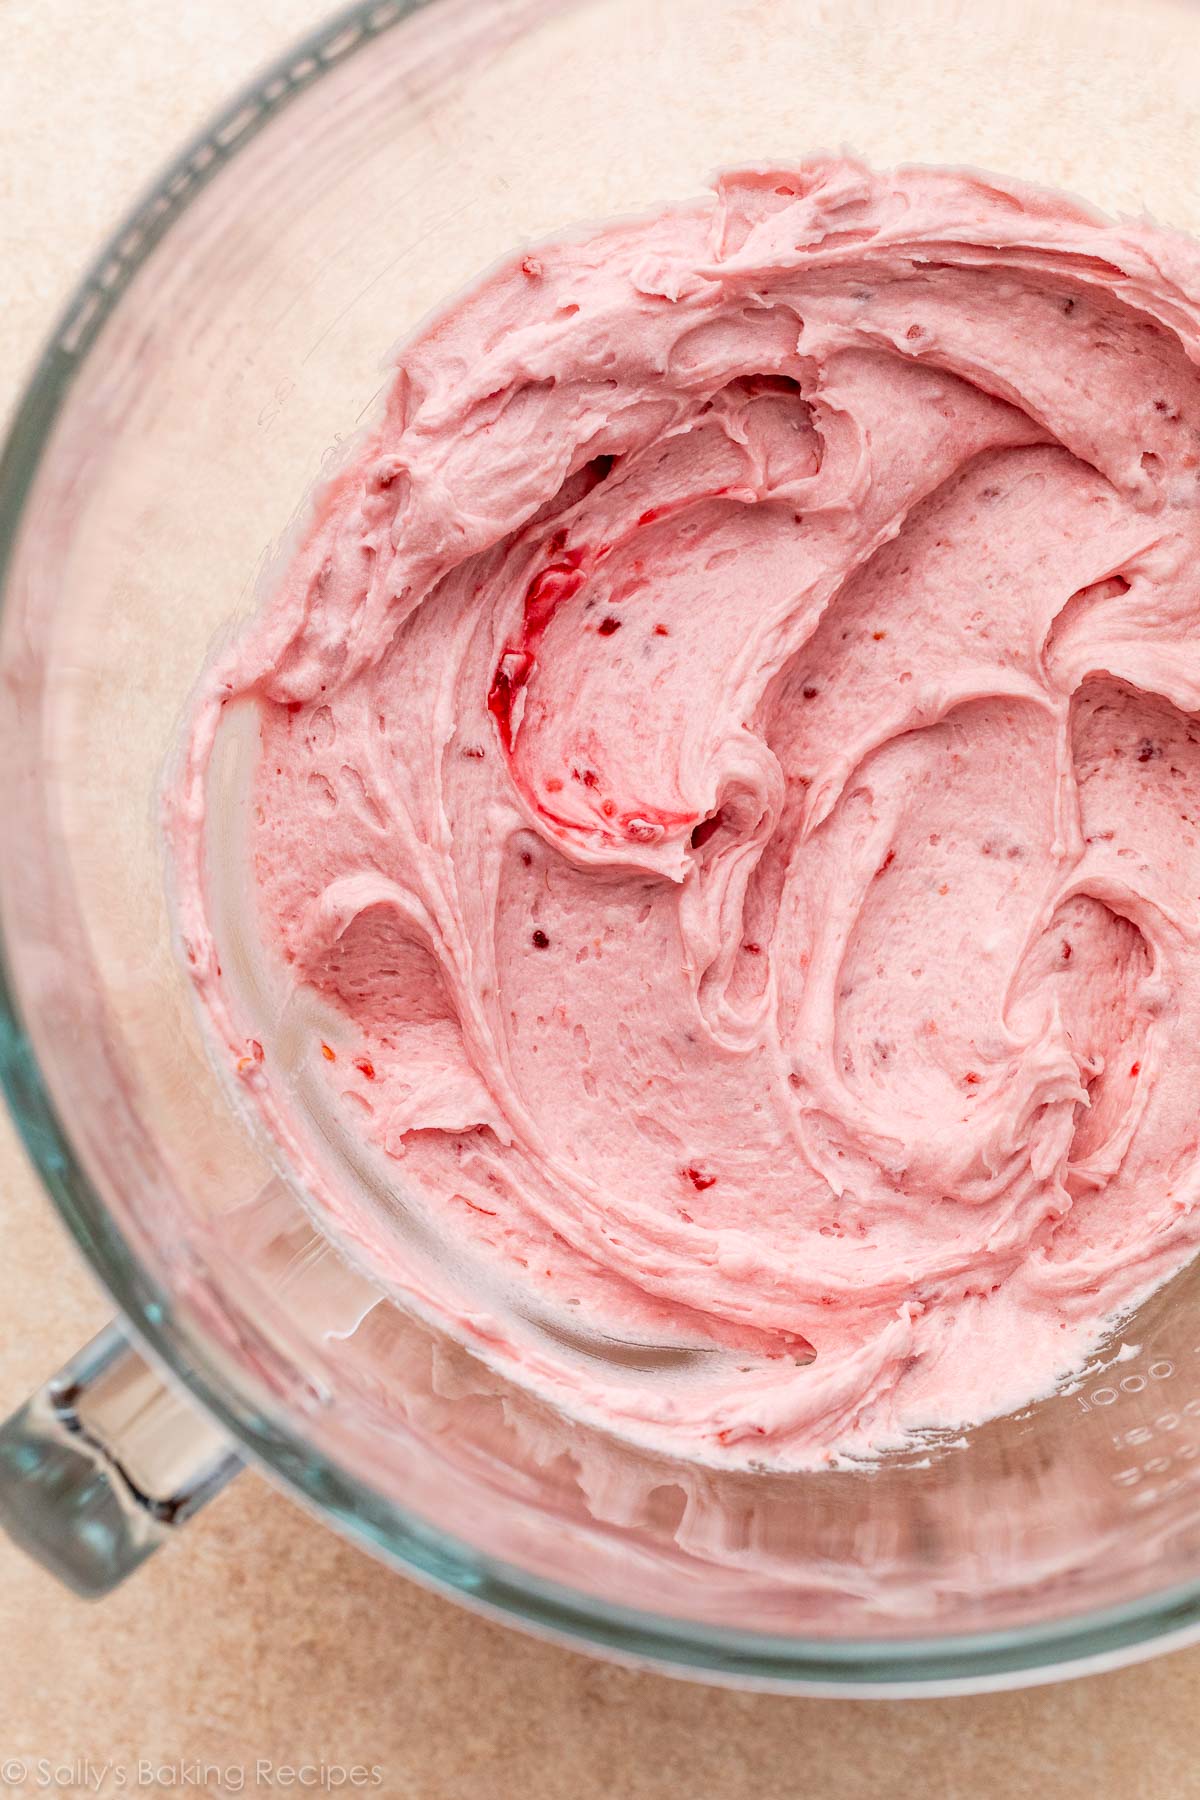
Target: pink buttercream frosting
point(729, 774)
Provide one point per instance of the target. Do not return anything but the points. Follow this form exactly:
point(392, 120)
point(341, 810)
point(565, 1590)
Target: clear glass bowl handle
point(105, 1463)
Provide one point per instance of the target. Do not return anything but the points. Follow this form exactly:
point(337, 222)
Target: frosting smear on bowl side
point(728, 763)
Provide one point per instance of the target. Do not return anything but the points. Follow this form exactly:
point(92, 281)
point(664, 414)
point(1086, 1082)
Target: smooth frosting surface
point(730, 767)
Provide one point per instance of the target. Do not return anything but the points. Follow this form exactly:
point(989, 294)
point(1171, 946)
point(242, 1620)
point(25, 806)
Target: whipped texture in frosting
point(728, 772)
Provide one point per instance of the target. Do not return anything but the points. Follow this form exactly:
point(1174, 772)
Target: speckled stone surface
point(261, 1635)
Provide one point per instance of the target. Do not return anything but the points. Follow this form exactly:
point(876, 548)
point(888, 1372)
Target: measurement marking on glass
point(1161, 1370)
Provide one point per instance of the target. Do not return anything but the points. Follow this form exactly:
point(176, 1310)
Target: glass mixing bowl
point(226, 340)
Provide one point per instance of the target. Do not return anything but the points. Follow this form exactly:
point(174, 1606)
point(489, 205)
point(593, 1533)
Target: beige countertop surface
point(261, 1635)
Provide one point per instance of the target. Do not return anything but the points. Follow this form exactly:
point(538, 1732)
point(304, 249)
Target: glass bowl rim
point(891, 1667)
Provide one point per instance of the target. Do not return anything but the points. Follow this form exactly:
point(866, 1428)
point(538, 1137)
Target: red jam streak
point(549, 589)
